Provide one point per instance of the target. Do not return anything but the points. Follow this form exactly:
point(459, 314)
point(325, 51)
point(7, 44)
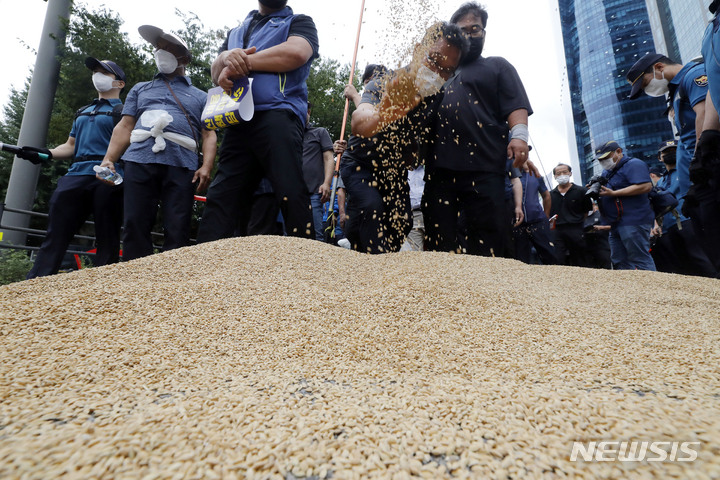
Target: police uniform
point(467, 169)
point(79, 193)
point(271, 143)
point(706, 214)
point(688, 88)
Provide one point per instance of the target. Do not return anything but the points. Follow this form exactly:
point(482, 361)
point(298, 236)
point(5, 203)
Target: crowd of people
point(437, 159)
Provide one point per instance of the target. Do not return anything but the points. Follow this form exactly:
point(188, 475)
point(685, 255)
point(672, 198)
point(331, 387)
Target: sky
point(525, 32)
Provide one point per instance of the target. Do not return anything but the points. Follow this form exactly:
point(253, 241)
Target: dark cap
point(667, 144)
point(606, 149)
point(636, 72)
point(107, 65)
point(659, 171)
point(153, 34)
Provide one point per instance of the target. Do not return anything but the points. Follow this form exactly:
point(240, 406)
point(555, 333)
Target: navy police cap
point(107, 65)
point(636, 72)
point(667, 144)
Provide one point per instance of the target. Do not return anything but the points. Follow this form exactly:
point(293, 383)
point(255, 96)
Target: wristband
point(520, 132)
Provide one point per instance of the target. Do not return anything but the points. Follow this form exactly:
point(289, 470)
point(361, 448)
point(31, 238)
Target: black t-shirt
point(302, 26)
point(315, 143)
point(572, 207)
point(472, 119)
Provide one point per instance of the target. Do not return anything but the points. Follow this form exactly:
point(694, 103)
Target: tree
point(325, 91)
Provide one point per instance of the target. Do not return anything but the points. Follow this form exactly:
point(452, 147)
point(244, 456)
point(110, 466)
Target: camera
point(595, 185)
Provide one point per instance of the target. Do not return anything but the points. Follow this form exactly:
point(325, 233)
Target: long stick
point(336, 175)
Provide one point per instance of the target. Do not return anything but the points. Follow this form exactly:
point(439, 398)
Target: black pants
point(706, 222)
point(72, 202)
point(679, 251)
point(535, 234)
point(480, 196)
point(379, 215)
point(598, 253)
point(147, 186)
point(270, 145)
point(570, 245)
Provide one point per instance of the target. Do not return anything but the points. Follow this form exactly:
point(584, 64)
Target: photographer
point(622, 193)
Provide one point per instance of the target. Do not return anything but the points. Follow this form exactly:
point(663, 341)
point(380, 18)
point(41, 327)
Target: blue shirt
point(532, 188)
point(155, 95)
point(635, 209)
point(688, 88)
point(92, 135)
point(711, 54)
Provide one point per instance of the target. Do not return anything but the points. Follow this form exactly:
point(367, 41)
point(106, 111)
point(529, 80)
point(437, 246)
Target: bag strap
point(197, 143)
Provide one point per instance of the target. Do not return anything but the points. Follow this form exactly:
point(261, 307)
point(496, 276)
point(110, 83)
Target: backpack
point(116, 113)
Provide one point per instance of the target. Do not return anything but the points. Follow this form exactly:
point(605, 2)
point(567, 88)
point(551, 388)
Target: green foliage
point(325, 91)
point(14, 266)
point(10, 130)
point(97, 33)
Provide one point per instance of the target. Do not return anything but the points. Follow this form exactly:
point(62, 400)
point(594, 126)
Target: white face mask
point(102, 82)
point(607, 164)
point(563, 179)
point(657, 86)
point(165, 61)
point(428, 82)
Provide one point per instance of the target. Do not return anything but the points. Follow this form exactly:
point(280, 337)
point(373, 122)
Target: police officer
point(79, 193)
point(706, 217)
point(625, 206)
point(275, 47)
point(687, 87)
point(677, 249)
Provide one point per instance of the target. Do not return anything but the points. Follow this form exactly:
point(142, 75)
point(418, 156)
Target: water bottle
point(106, 174)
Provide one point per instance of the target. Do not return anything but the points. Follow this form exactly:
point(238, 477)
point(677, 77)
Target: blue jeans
point(630, 247)
point(317, 213)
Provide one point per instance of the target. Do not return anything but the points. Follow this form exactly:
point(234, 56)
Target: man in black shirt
point(481, 122)
point(569, 206)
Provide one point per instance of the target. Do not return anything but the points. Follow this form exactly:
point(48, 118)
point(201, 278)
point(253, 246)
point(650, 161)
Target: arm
point(352, 94)
point(64, 151)
point(341, 207)
point(712, 121)
point(326, 187)
point(209, 149)
point(699, 110)
point(637, 189)
point(547, 202)
point(517, 198)
point(285, 57)
point(517, 148)
point(119, 142)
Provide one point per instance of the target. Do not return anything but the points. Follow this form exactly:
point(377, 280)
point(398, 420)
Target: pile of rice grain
point(273, 357)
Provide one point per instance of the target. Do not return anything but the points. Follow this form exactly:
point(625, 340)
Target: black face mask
point(476, 48)
point(274, 3)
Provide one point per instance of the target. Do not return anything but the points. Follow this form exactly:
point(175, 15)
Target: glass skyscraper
point(602, 40)
point(678, 26)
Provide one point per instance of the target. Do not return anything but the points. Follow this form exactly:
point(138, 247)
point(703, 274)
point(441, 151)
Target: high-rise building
point(602, 40)
point(677, 27)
